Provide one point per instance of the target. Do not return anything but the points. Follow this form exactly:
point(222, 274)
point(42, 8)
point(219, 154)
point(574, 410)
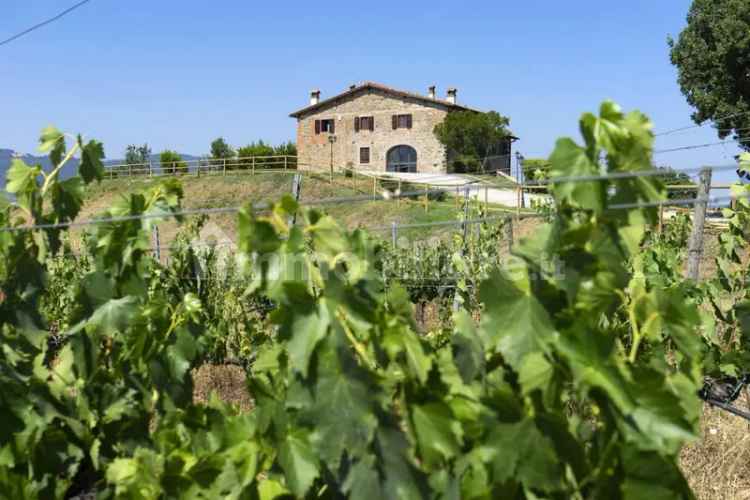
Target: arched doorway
point(401, 159)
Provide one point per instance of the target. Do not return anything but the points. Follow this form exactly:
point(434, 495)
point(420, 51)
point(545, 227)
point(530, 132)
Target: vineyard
point(564, 365)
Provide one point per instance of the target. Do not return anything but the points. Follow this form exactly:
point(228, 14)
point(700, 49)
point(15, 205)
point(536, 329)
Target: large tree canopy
point(473, 136)
point(712, 56)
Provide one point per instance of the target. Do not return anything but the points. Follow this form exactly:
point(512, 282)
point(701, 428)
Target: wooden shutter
point(317, 127)
point(372, 124)
point(356, 123)
point(408, 121)
point(395, 121)
point(333, 126)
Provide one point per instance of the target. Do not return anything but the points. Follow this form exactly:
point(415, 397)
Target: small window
point(364, 123)
point(402, 121)
point(364, 155)
point(325, 126)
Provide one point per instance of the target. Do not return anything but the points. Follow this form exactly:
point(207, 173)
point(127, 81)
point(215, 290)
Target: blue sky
point(178, 74)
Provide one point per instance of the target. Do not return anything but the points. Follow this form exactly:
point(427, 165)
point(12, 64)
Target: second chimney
point(314, 97)
point(431, 92)
point(452, 93)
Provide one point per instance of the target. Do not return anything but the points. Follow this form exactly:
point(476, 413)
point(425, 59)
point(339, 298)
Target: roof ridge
point(385, 88)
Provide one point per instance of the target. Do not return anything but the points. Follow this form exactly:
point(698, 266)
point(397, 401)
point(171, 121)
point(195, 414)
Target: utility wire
point(681, 129)
point(700, 146)
point(44, 23)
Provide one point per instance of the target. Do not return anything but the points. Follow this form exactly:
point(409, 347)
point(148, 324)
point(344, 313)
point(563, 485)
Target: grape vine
point(572, 373)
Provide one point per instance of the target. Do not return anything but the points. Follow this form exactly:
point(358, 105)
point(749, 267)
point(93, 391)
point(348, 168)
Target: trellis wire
point(384, 196)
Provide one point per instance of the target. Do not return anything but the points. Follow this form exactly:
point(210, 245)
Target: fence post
point(155, 242)
point(253, 172)
point(426, 199)
point(695, 248)
point(518, 201)
point(509, 232)
point(456, 198)
point(296, 188)
point(374, 186)
point(394, 233)
point(398, 193)
point(286, 164)
point(486, 199)
point(661, 218)
point(466, 213)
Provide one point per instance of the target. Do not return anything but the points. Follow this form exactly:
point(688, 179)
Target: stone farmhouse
point(378, 128)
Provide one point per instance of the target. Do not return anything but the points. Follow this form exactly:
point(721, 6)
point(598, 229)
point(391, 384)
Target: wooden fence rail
point(204, 166)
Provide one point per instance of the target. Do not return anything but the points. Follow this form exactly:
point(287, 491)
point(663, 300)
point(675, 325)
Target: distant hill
point(70, 168)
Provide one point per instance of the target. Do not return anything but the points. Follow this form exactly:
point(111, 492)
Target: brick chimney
point(314, 97)
point(431, 92)
point(452, 93)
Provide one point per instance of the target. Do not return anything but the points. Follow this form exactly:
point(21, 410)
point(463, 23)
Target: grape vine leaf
point(299, 462)
point(514, 320)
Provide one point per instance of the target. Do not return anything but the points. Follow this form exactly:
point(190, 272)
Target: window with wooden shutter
point(402, 121)
point(317, 127)
point(326, 126)
point(364, 155)
point(364, 123)
point(395, 121)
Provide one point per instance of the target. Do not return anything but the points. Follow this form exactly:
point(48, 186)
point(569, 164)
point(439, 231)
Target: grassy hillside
point(237, 190)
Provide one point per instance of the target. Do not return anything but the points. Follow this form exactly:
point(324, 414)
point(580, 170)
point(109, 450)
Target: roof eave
point(371, 86)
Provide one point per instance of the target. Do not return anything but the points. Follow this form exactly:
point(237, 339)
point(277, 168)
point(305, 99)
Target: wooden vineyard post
point(398, 194)
point(518, 201)
point(155, 242)
point(466, 214)
point(661, 218)
point(509, 232)
point(286, 163)
point(426, 199)
point(456, 198)
point(394, 233)
point(296, 189)
point(486, 199)
point(695, 245)
point(374, 186)
point(224, 168)
point(253, 166)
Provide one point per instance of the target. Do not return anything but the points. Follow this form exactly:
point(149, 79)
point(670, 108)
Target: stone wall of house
point(314, 150)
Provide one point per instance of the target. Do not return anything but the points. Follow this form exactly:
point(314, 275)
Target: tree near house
point(471, 137)
point(286, 149)
point(260, 150)
point(220, 150)
point(172, 162)
point(712, 56)
point(535, 169)
point(672, 177)
point(138, 156)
